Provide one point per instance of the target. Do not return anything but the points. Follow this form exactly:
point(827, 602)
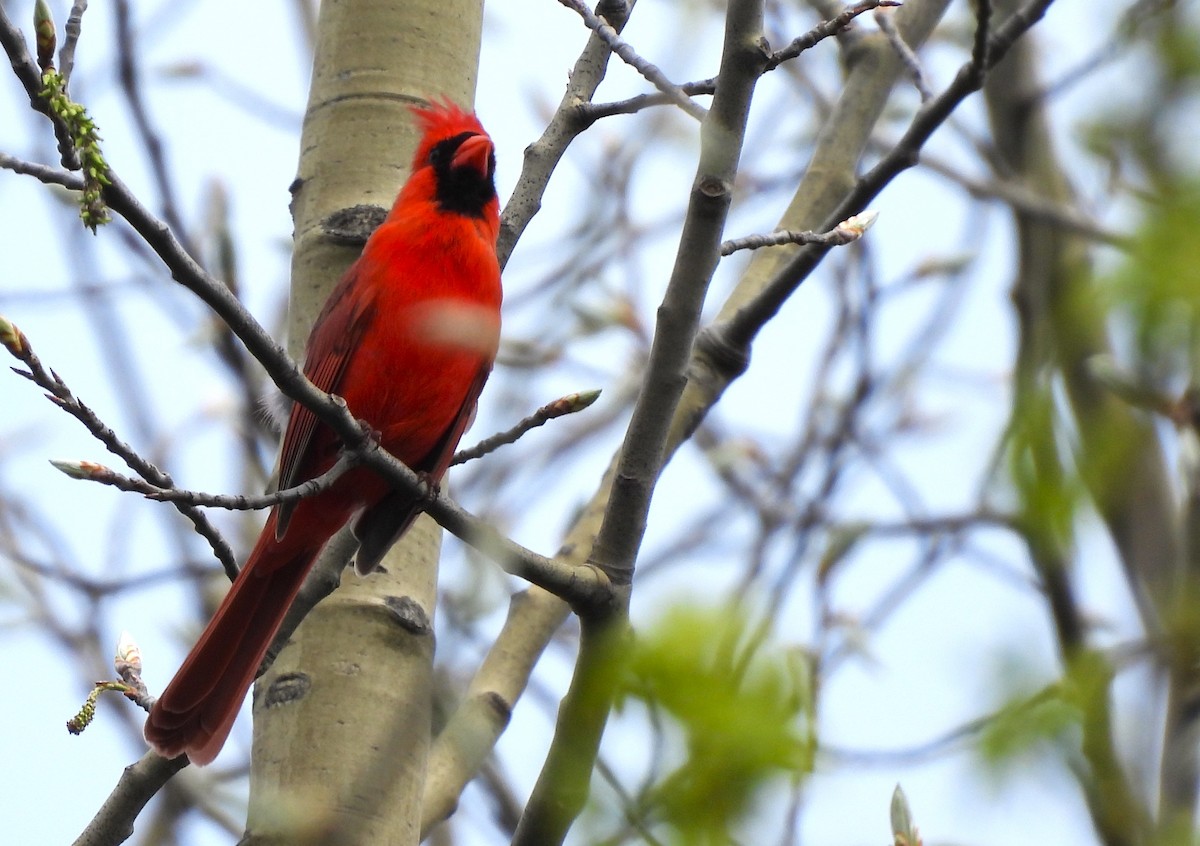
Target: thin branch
point(91, 472)
point(834, 26)
point(740, 329)
point(46, 174)
point(630, 56)
point(888, 27)
point(30, 77)
point(581, 585)
point(15, 341)
point(74, 28)
point(543, 155)
point(570, 404)
point(139, 783)
point(825, 29)
point(846, 232)
point(595, 111)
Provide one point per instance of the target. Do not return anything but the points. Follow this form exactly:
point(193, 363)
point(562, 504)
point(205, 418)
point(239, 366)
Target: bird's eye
point(439, 156)
point(442, 154)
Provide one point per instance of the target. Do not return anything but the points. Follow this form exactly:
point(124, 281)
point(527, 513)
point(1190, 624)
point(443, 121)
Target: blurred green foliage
point(1048, 493)
point(743, 706)
point(1156, 290)
point(1154, 293)
point(1049, 721)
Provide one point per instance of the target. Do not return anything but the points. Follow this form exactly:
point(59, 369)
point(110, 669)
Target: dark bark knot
point(723, 355)
point(713, 187)
point(353, 226)
point(499, 705)
point(409, 614)
point(288, 688)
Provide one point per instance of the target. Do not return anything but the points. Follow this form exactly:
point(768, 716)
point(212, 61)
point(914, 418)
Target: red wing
point(335, 337)
point(382, 524)
point(437, 462)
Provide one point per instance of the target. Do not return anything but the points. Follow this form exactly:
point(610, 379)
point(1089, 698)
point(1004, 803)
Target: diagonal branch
point(139, 783)
point(73, 29)
point(92, 472)
point(562, 786)
point(826, 29)
point(570, 404)
point(14, 340)
point(642, 452)
point(649, 71)
point(544, 154)
point(555, 577)
point(739, 329)
point(30, 77)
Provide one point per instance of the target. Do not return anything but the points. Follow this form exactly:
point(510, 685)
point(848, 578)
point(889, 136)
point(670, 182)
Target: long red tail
point(197, 710)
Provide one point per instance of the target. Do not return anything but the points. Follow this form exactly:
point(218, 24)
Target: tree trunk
point(342, 720)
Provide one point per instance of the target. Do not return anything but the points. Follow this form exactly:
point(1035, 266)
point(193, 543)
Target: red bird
point(407, 338)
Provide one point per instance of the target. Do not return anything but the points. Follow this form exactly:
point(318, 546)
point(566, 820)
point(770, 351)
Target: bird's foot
point(431, 488)
point(370, 433)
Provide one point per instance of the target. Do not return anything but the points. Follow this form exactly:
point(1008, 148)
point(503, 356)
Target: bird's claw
point(431, 488)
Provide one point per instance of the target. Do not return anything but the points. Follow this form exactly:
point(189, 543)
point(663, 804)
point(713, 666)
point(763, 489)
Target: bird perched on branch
point(407, 338)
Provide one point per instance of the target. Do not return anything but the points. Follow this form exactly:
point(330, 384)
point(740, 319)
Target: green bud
point(44, 34)
point(12, 338)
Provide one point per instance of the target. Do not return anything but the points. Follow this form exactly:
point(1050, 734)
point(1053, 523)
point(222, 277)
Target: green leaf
point(745, 720)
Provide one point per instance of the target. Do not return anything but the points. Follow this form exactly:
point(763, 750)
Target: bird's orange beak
point(475, 153)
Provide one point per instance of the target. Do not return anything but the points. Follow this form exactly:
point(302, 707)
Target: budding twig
point(78, 124)
point(90, 471)
point(44, 36)
point(570, 404)
point(849, 230)
point(128, 664)
point(17, 344)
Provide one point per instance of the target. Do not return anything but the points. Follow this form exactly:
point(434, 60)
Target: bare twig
point(825, 29)
point(14, 340)
point(649, 71)
point(741, 328)
point(835, 25)
point(139, 783)
point(888, 27)
point(570, 404)
point(544, 154)
point(91, 472)
point(74, 27)
point(846, 232)
point(45, 174)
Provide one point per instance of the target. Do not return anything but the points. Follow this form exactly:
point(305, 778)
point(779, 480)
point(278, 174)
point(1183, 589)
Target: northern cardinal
point(407, 338)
